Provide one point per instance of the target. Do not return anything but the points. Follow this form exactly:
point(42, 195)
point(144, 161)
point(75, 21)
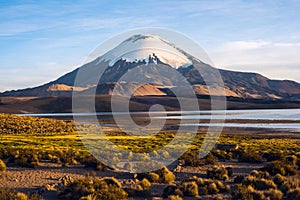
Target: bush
point(151, 176)
point(274, 194)
point(172, 190)
point(8, 194)
point(191, 158)
point(251, 157)
point(166, 176)
point(294, 194)
point(100, 188)
point(279, 167)
point(173, 197)
point(213, 189)
point(275, 155)
point(264, 184)
point(145, 184)
point(91, 162)
point(190, 189)
point(221, 154)
point(292, 160)
point(21, 196)
point(112, 181)
point(279, 179)
point(219, 173)
point(290, 184)
point(2, 166)
point(259, 184)
point(241, 193)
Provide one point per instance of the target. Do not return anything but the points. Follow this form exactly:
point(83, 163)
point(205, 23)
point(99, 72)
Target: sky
point(42, 40)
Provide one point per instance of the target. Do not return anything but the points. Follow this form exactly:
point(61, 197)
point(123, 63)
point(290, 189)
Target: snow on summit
point(143, 47)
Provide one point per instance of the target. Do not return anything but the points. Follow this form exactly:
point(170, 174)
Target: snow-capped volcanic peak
point(145, 47)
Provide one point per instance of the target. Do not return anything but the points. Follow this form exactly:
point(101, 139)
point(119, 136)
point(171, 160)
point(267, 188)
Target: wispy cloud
point(276, 60)
point(264, 35)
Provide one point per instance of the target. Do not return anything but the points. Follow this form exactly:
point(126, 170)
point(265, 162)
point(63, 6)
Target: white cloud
point(25, 77)
point(275, 60)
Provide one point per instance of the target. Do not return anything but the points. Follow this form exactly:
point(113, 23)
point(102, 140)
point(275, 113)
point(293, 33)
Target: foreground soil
point(30, 180)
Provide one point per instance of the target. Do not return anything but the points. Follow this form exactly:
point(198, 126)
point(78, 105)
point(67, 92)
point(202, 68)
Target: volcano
point(167, 65)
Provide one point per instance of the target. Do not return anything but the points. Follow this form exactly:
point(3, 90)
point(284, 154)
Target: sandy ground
point(30, 180)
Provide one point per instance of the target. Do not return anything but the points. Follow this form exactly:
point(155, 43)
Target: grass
point(37, 139)
point(72, 141)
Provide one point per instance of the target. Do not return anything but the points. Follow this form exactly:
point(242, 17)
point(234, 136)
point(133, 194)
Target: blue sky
point(41, 40)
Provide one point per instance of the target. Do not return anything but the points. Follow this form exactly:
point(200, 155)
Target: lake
point(283, 119)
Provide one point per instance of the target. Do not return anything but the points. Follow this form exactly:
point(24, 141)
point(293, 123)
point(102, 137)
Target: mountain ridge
point(156, 63)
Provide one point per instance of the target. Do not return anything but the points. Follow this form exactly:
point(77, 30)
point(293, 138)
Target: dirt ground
point(31, 180)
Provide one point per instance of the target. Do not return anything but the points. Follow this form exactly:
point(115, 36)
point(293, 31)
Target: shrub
point(151, 176)
point(294, 194)
point(241, 193)
point(251, 157)
point(92, 162)
point(166, 176)
point(254, 173)
point(275, 155)
point(219, 173)
point(191, 158)
point(292, 160)
point(279, 167)
point(173, 197)
point(190, 189)
point(221, 154)
point(112, 181)
point(100, 188)
point(290, 184)
point(21, 196)
point(2, 166)
point(8, 194)
point(213, 189)
point(279, 179)
point(260, 184)
point(274, 194)
point(145, 184)
point(172, 190)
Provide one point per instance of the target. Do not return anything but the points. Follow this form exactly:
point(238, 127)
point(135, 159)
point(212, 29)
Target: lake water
point(274, 117)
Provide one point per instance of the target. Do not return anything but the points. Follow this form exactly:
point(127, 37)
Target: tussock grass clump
point(191, 158)
point(290, 183)
point(174, 197)
point(145, 184)
point(98, 188)
point(190, 189)
point(274, 155)
point(165, 175)
point(2, 166)
point(218, 172)
point(194, 186)
point(151, 176)
point(279, 179)
point(9, 194)
point(294, 194)
point(249, 193)
point(172, 190)
point(279, 167)
point(250, 157)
